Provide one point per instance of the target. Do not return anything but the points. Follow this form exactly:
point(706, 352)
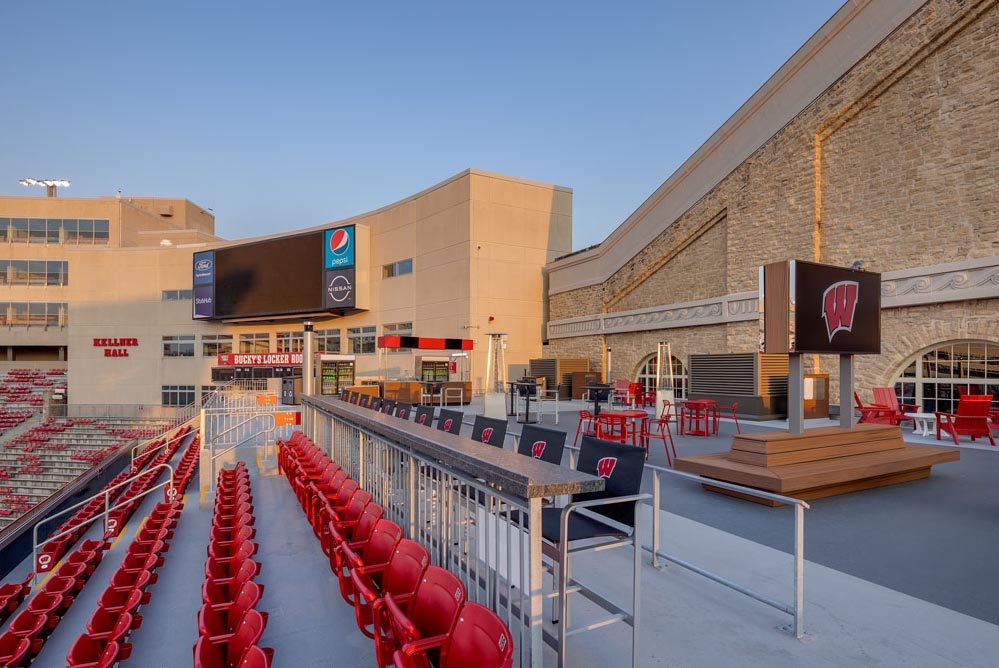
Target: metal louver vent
point(733, 375)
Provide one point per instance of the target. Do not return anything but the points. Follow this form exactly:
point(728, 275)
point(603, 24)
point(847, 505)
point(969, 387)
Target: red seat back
point(480, 640)
point(405, 568)
point(434, 610)
point(366, 523)
point(346, 491)
point(254, 658)
point(248, 632)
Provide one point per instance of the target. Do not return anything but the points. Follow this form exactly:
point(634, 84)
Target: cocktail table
point(923, 423)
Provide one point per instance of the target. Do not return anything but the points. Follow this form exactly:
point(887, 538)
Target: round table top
point(630, 414)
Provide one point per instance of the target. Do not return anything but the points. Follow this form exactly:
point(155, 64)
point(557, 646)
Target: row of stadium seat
point(229, 625)
point(30, 628)
point(116, 616)
point(418, 614)
point(105, 642)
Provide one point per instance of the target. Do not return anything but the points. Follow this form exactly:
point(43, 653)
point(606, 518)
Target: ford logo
point(203, 265)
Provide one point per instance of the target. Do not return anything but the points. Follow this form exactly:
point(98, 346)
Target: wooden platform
point(820, 462)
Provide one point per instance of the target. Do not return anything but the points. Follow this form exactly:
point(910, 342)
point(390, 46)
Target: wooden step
point(888, 442)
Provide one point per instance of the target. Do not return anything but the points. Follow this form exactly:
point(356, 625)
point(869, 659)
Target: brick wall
point(894, 164)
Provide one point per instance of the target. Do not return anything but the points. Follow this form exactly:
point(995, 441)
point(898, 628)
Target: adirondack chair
point(885, 396)
point(872, 413)
point(971, 419)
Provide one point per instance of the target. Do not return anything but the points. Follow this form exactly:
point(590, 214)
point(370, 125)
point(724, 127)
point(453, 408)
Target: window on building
point(178, 395)
point(328, 341)
point(37, 272)
point(36, 231)
point(177, 295)
point(33, 314)
point(34, 272)
point(216, 344)
point(102, 233)
point(935, 379)
point(54, 231)
point(398, 268)
point(70, 227)
point(4, 229)
point(178, 345)
point(290, 342)
point(398, 329)
point(647, 376)
point(361, 340)
point(255, 342)
point(19, 230)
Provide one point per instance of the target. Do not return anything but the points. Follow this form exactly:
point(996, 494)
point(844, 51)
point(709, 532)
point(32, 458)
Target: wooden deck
point(820, 462)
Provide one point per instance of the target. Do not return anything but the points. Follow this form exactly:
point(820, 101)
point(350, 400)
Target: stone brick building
point(878, 142)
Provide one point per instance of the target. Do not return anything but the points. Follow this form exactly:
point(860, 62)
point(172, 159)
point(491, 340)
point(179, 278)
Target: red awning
point(424, 343)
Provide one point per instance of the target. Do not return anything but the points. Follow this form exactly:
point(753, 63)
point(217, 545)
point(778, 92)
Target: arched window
point(935, 379)
point(647, 375)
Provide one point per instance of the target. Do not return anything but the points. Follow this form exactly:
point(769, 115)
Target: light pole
point(50, 185)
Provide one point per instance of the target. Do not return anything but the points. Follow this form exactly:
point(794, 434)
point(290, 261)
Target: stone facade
point(894, 165)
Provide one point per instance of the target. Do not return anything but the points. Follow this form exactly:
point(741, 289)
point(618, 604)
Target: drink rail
point(476, 508)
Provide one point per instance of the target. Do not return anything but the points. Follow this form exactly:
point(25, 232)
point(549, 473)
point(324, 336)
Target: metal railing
point(106, 493)
point(796, 609)
point(236, 428)
point(145, 443)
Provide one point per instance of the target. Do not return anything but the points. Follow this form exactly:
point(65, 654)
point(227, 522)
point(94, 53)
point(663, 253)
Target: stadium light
point(50, 185)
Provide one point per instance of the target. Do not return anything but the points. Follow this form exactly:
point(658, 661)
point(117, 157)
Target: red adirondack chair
point(873, 413)
point(885, 396)
point(971, 419)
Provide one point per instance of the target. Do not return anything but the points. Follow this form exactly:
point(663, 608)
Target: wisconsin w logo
point(447, 424)
point(538, 449)
point(423, 418)
point(605, 466)
point(487, 433)
point(839, 305)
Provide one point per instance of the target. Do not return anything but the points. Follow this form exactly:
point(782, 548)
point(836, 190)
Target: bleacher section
point(67, 570)
point(36, 463)
point(416, 613)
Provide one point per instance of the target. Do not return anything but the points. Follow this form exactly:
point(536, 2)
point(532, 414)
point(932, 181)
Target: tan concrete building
point(457, 260)
point(37, 236)
point(876, 143)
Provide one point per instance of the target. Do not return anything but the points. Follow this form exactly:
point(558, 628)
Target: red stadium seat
point(377, 550)
point(13, 649)
point(429, 613)
point(230, 651)
point(124, 582)
point(117, 603)
point(107, 627)
point(480, 639)
point(223, 593)
point(212, 622)
point(401, 576)
point(31, 626)
point(46, 604)
point(89, 653)
point(346, 519)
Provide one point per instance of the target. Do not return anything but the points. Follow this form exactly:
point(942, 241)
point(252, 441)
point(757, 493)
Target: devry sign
point(116, 347)
point(260, 359)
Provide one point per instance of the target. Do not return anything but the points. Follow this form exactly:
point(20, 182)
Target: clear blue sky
point(281, 115)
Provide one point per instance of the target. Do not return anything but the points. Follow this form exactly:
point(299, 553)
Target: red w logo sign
point(423, 418)
point(839, 305)
point(447, 424)
point(538, 449)
point(605, 466)
point(487, 433)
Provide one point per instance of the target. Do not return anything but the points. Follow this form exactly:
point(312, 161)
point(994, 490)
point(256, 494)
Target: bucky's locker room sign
point(806, 307)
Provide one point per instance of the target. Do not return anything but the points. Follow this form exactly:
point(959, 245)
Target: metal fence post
point(799, 570)
point(536, 585)
point(656, 520)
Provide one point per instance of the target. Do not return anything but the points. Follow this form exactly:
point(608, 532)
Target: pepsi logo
point(605, 466)
point(487, 433)
point(538, 449)
point(339, 242)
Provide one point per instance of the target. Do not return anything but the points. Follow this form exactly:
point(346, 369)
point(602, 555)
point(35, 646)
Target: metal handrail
point(795, 609)
point(211, 445)
point(172, 493)
point(154, 438)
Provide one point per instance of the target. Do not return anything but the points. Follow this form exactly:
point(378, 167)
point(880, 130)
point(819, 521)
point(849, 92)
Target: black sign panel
point(339, 291)
point(836, 310)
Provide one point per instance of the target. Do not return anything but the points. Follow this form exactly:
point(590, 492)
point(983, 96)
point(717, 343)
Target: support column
point(846, 417)
point(795, 395)
point(308, 360)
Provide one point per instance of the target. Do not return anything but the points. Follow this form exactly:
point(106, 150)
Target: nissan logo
point(339, 289)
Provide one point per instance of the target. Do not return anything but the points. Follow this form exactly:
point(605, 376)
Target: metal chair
point(490, 431)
